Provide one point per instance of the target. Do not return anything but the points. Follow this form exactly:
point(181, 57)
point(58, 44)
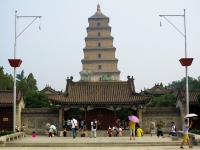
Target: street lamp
point(184, 61)
point(17, 62)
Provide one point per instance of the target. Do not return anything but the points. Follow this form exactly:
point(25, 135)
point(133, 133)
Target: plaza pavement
point(101, 148)
point(108, 143)
point(100, 143)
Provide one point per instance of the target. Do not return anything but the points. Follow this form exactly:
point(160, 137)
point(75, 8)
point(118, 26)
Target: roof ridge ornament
point(98, 9)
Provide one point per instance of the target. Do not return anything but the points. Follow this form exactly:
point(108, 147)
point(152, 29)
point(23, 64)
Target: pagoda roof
point(98, 14)
point(100, 93)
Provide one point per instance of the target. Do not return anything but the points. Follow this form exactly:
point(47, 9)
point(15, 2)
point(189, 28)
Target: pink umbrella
point(133, 118)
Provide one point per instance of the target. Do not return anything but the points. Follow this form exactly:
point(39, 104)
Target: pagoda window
point(99, 44)
point(99, 55)
point(99, 34)
point(99, 67)
point(98, 24)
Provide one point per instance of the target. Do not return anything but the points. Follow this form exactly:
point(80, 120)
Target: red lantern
point(186, 61)
point(15, 62)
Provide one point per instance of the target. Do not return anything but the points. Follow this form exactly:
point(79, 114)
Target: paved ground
point(100, 148)
point(45, 139)
point(100, 143)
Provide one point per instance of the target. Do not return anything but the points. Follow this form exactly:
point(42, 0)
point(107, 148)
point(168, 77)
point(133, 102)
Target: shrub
point(2, 133)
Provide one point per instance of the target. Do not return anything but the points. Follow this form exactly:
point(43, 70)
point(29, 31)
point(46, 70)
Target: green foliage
point(36, 100)
point(26, 85)
point(6, 80)
point(195, 131)
point(167, 100)
point(193, 84)
point(31, 82)
point(2, 133)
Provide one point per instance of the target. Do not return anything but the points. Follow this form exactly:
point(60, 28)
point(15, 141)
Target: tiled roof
point(193, 94)
point(6, 98)
point(48, 91)
point(98, 14)
point(156, 90)
point(100, 93)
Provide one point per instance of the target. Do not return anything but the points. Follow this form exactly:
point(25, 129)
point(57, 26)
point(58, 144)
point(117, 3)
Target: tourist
point(109, 131)
point(84, 132)
point(74, 125)
point(139, 131)
point(65, 132)
point(17, 129)
point(159, 128)
point(94, 128)
point(173, 129)
point(23, 128)
point(186, 138)
point(33, 134)
point(120, 131)
point(117, 125)
point(152, 128)
point(50, 132)
point(132, 130)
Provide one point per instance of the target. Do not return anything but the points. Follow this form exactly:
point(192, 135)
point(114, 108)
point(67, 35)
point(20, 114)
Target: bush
point(195, 131)
point(2, 133)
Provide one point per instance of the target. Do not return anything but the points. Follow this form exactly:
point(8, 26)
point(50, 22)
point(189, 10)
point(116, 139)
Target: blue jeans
point(74, 133)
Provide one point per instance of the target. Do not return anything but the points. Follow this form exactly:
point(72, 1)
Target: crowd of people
point(116, 130)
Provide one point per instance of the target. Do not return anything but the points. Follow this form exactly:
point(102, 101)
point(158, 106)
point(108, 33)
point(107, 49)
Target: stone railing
point(10, 137)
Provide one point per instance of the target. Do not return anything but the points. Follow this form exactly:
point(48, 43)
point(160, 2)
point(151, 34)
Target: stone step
point(42, 141)
point(92, 144)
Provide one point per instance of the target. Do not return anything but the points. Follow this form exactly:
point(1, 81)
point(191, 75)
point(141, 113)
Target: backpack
point(94, 125)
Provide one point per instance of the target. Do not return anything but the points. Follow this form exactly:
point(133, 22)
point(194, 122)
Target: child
point(33, 134)
point(109, 131)
point(65, 132)
point(139, 132)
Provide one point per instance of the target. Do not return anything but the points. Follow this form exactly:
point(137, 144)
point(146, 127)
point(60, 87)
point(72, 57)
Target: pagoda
point(99, 62)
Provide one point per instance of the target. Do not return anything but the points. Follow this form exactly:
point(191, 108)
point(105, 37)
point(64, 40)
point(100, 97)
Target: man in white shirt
point(94, 128)
point(74, 123)
point(173, 129)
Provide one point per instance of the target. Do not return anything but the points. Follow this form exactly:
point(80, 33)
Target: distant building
point(6, 110)
point(99, 62)
point(156, 90)
point(48, 90)
point(194, 105)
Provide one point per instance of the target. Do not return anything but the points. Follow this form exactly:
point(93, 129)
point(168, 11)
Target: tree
point(192, 82)
point(36, 100)
point(167, 100)
point(26, 84)
point(21, 83)
point(31, 82)
point(6, 80)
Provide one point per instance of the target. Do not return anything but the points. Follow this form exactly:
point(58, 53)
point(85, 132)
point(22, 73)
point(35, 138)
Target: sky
point(145, 50)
